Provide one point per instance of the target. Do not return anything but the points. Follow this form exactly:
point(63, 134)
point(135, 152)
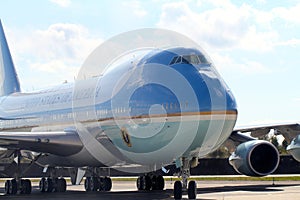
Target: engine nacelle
point(255, 158)
point(294, 148)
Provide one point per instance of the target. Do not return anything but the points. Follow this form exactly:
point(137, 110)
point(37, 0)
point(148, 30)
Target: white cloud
point(258, 41)
point(225, 63)
point(224, 26)
point(54, 66)
point(292, 42)
point(136, 8)
point(261, 1)
point(291, 14)
point(296, 100)
point(62, 3)
point(64, 41)
point(58, 51)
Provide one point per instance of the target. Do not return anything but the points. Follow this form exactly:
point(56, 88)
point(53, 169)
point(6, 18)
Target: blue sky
point(254, 44)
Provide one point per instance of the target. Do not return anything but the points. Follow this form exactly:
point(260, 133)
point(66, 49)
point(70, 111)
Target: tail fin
point(9, 82)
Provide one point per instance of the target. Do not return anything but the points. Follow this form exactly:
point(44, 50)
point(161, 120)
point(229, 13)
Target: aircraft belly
point(81, 159)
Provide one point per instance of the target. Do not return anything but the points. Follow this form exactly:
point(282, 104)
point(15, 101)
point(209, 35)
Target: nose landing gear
point(180, 187)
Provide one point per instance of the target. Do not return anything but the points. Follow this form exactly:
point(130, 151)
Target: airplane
point(165, 106)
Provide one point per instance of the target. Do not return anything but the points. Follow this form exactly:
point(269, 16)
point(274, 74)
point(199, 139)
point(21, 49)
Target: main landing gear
point(97, 179)
point(14, 185)
point(52, 185)
point(97, 184)
point(150, 182)
point(190, 187)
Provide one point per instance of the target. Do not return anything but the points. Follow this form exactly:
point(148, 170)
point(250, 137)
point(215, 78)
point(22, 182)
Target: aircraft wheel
point(154, 183)
point(94, 184)
point(147, 183)
point(42, 185)
point(107, 184)
point(7, 186)
point(28, 186)
point(87, 185)
point(192, 190)
point(160, 182)
point(48, 184)
point(61, 185)
point(25, 186)
point(13, 187)
point(178, 190)
point(139, 183)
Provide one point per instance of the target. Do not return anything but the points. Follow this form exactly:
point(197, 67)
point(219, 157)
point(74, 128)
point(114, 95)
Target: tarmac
point(207, 190)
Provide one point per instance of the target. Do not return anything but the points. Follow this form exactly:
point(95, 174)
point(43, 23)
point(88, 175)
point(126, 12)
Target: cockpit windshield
point(189, 59)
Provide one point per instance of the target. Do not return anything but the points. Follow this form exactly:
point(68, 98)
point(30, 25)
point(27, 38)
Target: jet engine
point(294, 148)
point(255, 158)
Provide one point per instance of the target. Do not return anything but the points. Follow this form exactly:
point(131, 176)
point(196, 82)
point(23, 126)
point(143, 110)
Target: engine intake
point(255, 158)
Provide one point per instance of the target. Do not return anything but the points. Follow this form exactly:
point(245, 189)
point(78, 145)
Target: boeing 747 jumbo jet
point(162, 106)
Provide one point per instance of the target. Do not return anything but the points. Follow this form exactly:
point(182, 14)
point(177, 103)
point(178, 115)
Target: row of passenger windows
point(87, 114)
point(189, 59)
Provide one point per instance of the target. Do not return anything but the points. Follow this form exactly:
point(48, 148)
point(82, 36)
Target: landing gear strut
point(18, 184)
point(179, 186)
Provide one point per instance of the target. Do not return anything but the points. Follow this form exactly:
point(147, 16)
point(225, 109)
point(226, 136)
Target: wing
point(59, 143)
point(289, 130)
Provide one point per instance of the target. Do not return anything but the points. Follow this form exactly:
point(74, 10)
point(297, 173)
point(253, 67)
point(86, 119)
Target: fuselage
point(148, 110)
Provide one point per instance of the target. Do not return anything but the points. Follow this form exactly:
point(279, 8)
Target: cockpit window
point(173, 61)
point(189, 59)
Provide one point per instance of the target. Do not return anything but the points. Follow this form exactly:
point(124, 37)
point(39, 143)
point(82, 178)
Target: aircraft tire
point(147, 183)
point(61, 185)
point(139, 183)
point(25, 186)
point(107, 184)
point(7, 186)
point(87, 185)
point(42, 185)
point(48, 185)
point(177, 190)
point(94, 183)
point(13, 189)
point(154, 183)
point(160, 183)
point(192, 190)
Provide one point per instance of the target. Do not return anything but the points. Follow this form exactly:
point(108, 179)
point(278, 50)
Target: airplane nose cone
point(231, 102)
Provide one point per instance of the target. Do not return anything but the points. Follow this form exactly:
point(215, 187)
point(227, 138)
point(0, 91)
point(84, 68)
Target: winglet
point(9, 82)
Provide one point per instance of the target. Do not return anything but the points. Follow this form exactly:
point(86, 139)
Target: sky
point(255, 44)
